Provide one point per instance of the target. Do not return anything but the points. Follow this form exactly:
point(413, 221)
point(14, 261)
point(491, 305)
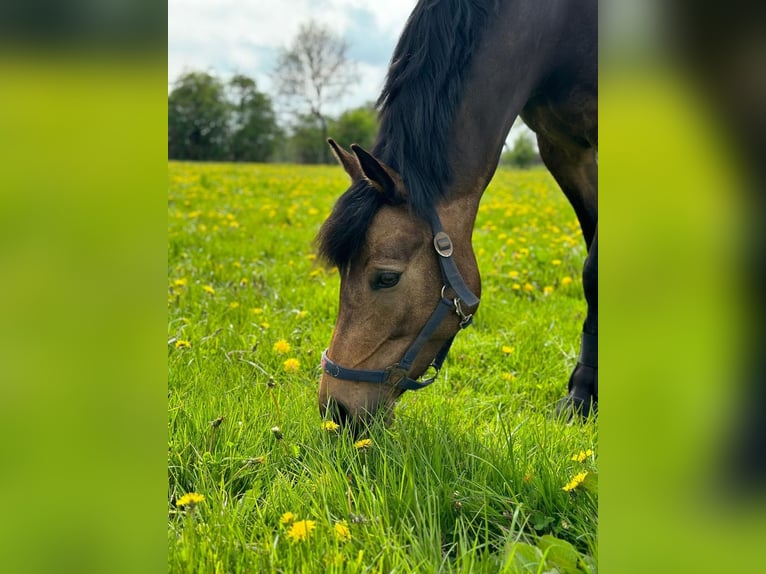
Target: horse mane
point(421, 94)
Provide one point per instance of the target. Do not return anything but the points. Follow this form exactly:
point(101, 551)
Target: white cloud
point(227, 36)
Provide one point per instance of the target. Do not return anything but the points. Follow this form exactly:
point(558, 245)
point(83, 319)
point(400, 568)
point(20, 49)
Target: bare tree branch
point(313, 71)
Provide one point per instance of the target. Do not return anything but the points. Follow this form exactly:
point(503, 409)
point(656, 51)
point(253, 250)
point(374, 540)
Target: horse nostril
point(339, 412)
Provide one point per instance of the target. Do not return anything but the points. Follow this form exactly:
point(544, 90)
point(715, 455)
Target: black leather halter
point(397, 374)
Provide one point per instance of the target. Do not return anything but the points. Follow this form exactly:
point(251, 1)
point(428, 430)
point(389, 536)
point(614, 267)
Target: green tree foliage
point(210, 120)
point(307, 141)
point(359, 125)
point(198, 116)
point(523, 153)
point(254, 130)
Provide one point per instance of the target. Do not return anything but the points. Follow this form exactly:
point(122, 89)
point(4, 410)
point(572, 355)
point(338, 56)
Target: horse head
point(399, 305)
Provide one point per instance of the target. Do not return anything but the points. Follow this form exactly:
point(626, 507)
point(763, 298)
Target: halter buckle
point(465, 320)
point(443, 244)
point(396, 374)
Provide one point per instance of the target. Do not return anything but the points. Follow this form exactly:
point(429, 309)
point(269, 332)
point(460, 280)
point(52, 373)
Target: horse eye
point(385, 280)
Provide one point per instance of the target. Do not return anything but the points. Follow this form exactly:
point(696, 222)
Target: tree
point(254, 133)
point(197, 118)
point(314, 71)
point(359, 125)
point(523, 153)
point(306, 144)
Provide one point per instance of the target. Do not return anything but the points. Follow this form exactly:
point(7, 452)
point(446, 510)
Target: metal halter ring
point(465, 320)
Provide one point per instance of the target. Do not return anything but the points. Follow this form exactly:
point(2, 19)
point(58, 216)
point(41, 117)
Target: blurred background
point(248, 82)
point(87, 102)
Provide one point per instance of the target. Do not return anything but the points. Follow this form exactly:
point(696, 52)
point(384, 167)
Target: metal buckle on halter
point(443, 244)
point(396, 374)
point(465, 320)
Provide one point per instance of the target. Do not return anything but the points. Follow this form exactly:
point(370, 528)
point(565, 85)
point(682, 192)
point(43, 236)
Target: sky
point(244, 36)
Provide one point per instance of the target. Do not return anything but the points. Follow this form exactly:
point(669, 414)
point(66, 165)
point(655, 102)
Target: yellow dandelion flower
point(515, 286)
point(556, 262)
point(291, 365)
point(335, 560)
point(256, 310)
point(508, 376)
point(181, 344)
point(233, 305)
point(582, 455)
point(265, 325)
point(301, 530)
point(513, 274)
point(237, 264)
point(566, 280)
point(287, 518)
point(364, 443)
point(342, 532)
point(507, 349)
point(547, 290)
point(311, 256)
point(281, 347)
point(576, 481)
point(190, 499)
point(313, 211)
point(244, 281)
point(528, 287)
point(330, 426)
point(301, 314)
point(209, 289)
point(182, 282)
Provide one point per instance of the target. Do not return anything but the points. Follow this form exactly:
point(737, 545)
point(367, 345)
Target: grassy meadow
point(470, 476)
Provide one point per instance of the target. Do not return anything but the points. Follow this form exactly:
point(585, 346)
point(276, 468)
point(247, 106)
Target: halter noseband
point(397, 374)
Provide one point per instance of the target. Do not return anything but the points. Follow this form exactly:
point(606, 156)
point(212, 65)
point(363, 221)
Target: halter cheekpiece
point(397, 375)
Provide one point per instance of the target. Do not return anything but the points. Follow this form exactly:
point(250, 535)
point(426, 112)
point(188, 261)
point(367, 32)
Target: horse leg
point(583, 382)
point(575, 170)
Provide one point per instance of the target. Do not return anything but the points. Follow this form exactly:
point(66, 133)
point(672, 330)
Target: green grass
point(469, 476)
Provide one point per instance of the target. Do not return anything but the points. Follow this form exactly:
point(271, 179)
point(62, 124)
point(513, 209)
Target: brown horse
point(462, 71)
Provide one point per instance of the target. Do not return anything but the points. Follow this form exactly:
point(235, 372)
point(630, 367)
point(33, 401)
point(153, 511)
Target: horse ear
point(347, 160)
point(382, 177)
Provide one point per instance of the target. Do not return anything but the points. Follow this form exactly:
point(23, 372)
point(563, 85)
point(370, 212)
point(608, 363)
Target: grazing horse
point(400, 236)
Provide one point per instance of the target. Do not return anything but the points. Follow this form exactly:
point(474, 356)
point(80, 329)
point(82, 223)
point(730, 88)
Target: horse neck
point(504, 71)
